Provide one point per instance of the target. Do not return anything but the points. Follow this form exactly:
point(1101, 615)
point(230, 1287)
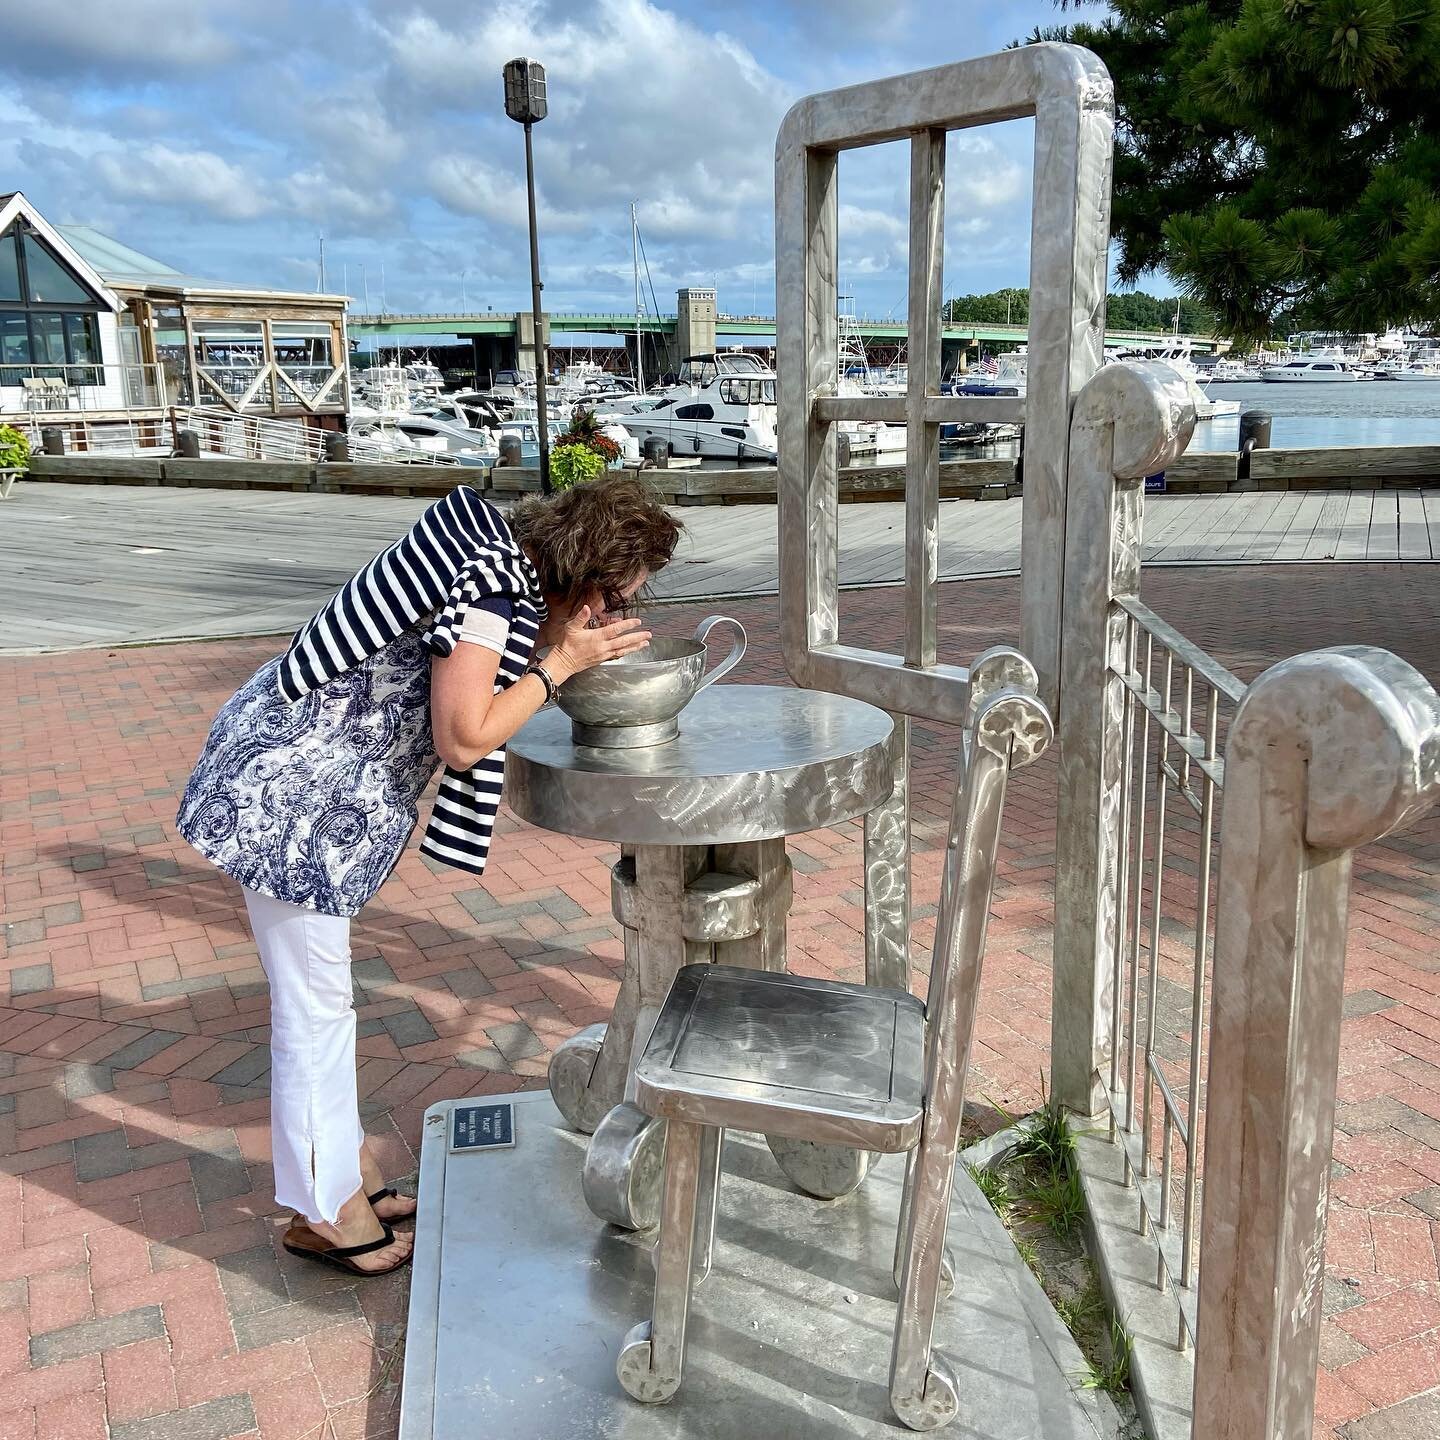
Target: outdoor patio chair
point(58, 393)
point(841, 1064)
point(34, 392)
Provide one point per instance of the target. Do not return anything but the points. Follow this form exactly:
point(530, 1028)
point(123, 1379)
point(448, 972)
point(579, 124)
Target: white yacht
point(526, 428)
point(1177, 357)
point(723, 406)
point(863, 437)
point(1309, 370)
point(1234, 372)
point(402, 435)
point(1003, 376)
point(1407, 370)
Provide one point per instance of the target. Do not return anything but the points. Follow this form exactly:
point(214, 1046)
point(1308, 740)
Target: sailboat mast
point(635, 266)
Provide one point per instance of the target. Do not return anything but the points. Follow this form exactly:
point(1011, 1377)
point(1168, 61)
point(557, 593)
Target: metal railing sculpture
point(1155, 732)
point(1329, 751)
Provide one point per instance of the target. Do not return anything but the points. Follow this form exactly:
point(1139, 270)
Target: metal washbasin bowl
point(637, 700)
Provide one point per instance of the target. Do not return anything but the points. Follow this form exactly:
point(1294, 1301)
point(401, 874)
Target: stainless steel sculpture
point(1339, 750)
point(703, 874)
point(1068, 92)
point(636, 701)
point(1329, 751)
point(1129, 422)
point(842, 1065)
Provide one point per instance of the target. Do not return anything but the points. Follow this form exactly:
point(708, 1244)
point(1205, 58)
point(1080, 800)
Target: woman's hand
point(582, 645)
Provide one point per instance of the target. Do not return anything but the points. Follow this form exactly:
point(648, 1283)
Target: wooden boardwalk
point(84, 565)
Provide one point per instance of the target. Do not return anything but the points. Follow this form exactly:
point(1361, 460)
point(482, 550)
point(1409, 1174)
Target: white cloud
point(380, 122)
point(318, 195)
point(643, 104)
point(146, 33)
point(200, 178)
point(353, 133)
point(471, 187)
point(980, 175)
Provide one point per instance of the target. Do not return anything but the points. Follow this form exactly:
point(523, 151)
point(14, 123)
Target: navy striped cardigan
point(458, 553)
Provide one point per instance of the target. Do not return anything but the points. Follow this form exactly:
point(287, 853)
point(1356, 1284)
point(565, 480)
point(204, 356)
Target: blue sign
point(1155, 484)
point(482, 1127)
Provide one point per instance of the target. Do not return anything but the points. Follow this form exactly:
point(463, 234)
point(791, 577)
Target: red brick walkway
point(142, 1291)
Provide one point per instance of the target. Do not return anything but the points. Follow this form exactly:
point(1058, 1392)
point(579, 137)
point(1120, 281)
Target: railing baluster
point(1162, 1220)
point(1139, 866)
point(1157, 876)
point(1197, 999)
point(1122, 860)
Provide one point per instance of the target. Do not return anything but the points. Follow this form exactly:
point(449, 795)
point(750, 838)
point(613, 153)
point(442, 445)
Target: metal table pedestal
point(703, 876)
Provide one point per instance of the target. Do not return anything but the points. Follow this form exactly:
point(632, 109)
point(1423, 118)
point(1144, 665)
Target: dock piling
point(1254, 435)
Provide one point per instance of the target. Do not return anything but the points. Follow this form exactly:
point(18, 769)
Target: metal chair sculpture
point(838, 1064)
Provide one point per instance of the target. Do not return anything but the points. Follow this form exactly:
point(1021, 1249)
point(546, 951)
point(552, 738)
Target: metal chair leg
point(712, 1144)
point(923, 1391)
point(653, 1355)
point(947, 1260)
point(902, 1225)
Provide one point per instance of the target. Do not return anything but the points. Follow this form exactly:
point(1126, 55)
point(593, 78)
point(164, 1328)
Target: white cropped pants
point(314, 1108)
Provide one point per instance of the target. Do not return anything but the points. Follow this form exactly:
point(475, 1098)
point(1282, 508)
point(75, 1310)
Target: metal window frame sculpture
point(1068, 92)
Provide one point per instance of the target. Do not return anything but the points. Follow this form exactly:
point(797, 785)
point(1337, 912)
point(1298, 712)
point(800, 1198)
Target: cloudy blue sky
point(225, 138)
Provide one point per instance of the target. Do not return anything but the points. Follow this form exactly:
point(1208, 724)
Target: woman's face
point(561, 609)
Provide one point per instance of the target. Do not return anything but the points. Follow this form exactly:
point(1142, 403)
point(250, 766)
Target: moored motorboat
point(1309, 371)
point(1410, 371)
point(1234, 372)
point(723, 407)
point(404, 434)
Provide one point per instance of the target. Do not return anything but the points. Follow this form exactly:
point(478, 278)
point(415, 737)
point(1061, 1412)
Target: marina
point(927, 910)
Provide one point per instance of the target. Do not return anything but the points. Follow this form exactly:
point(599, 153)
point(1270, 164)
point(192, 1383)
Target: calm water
point(1369, 412)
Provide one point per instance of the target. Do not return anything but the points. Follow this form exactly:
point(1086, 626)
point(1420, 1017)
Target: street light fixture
point(525, 103)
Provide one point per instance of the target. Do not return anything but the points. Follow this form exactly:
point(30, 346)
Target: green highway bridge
point(517, 327)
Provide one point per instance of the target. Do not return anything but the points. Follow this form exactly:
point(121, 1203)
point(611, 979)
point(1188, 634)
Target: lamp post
point(463, 273)
point(525, 103)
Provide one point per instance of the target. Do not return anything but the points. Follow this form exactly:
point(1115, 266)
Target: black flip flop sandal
point(342, 1256)
point(389, 1192)
point(386, 1192)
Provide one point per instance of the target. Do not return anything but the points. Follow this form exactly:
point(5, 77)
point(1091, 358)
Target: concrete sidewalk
point(143, 1294)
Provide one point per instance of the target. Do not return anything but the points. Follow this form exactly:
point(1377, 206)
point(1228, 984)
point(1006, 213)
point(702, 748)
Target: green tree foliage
point(1128, 310)
point(1000, 307)
point(1279, 158)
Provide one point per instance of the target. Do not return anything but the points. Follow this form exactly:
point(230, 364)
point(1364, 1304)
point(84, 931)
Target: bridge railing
point(623, 322)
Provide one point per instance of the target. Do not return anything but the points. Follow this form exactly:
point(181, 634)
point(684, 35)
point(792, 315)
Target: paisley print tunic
point(313, 801)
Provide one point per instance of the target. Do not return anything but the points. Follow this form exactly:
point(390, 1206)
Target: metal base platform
point(521, 1300)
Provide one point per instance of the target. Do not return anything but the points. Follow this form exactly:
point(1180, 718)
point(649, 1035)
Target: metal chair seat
point(785, 1055)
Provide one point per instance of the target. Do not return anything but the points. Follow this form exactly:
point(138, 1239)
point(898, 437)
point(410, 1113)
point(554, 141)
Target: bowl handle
point(737, 649)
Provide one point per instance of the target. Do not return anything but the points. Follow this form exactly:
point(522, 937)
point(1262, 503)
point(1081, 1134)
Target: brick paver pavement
point(142, 1291)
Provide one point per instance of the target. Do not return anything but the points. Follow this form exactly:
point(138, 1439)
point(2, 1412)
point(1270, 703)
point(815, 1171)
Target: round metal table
point(703, 875)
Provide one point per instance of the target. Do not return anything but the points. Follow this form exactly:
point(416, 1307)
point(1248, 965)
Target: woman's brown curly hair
point(598, 536)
